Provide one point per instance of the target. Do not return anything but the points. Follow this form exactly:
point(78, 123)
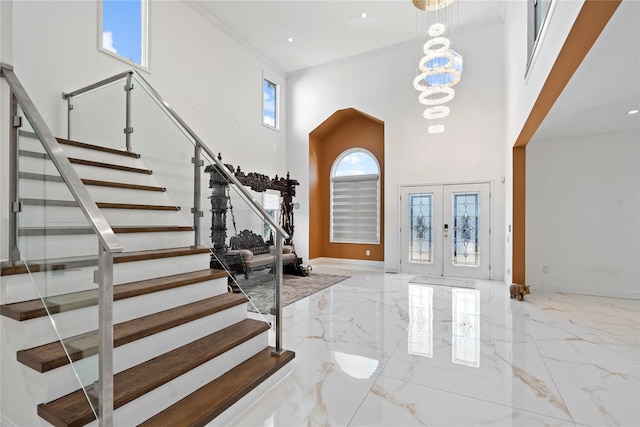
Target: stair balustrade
point(125, 112)
point(42, 181)
point(164, 308)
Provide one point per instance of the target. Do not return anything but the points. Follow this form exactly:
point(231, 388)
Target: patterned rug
point(260, 288)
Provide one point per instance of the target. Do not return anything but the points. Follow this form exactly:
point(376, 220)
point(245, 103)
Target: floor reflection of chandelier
point(440, 67)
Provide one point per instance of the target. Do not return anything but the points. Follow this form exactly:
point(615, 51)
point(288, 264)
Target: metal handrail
point(67, 95)
point(79, 191)
point(177, 119)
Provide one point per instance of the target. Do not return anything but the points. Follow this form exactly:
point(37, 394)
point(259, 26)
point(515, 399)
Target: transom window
point(123, 30)
point(355, 198)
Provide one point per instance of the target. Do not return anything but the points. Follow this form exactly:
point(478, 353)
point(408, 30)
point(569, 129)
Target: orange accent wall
point(519, 214)
point(345, 129)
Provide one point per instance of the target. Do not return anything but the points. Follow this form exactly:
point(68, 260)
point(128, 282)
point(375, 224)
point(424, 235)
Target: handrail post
point(105, 338)
point(278, 294)
point(197, 191)
point(14, 252)
point(128, 130)
point(69, 108)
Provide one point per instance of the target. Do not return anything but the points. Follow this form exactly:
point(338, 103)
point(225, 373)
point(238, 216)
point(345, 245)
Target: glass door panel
point(466, 210)
point(445, 230)
point(421, 230)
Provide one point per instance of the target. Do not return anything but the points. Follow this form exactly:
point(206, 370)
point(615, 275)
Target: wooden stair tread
point(96, 147)
point(35, 266)
point(109, 166)
point(94, 182)
point(101, 205)
point(73, 409)
point(74, 160)
point(52, 355)
point(209, 401)
point(71, 231)
point(84, 145)
point(122, 185)
point(31, 309)
point(107, 205)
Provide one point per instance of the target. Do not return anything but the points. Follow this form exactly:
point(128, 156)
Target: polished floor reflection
point(377, 350)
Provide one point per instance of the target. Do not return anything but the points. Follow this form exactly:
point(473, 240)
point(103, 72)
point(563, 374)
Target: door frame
point(401, 220)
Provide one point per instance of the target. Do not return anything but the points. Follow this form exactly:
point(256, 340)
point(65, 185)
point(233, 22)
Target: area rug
point(444, 281)
point(260, 288)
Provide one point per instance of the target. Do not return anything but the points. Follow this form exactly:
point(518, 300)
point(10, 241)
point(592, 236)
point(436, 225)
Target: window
point(270, 113)
point(537, 14)
point(123, 30)
point(355, 198)
point(270, 203)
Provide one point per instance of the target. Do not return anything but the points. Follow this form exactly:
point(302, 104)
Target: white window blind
point(354, 209)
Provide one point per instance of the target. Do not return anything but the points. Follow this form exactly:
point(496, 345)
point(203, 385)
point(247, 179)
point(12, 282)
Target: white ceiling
point(596, 99)
point(329, 30)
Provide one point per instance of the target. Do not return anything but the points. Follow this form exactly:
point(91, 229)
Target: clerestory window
point(270, 104)
point(124, 30)
point(355, 198)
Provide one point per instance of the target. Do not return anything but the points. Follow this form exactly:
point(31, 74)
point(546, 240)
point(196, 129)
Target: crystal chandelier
point(440, 67)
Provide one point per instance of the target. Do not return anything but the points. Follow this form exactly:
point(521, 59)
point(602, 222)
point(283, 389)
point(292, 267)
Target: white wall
point(380, 84)
point(583, 214)
point(211, 80)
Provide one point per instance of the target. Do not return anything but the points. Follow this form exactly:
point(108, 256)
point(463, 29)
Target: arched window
point(355, 197)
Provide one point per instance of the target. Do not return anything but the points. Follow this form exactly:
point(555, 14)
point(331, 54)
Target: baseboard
point(607, 293)
point(353, 263)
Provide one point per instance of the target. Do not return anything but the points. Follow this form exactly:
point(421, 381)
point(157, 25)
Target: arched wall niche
point(343, 130)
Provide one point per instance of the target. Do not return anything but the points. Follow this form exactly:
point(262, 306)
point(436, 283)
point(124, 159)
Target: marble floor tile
point(316, 393)
point(514, 376)
point(597, 391)
point(378, 350)
point(397, 403)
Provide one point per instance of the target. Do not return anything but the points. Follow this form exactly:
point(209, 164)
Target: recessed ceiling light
point(633, 111)
point(364, 14)
point(290, 39)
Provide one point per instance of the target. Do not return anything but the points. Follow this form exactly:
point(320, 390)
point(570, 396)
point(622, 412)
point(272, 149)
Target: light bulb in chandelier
point(431, 4)
point(436, 129)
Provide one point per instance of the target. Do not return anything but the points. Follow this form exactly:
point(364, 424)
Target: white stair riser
point(58, 382)
point(41, 247)
point(20, 287)
point(72, 216)
point(148, 269)
point(46, 167)
point(114, 175)
point(36, 189)
point(126, 195)
point(151, 403)
point(33, 144)
point(35, 332)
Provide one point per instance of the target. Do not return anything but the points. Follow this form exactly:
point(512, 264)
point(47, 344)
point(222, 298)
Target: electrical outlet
point(545, 269)
point(368, 252)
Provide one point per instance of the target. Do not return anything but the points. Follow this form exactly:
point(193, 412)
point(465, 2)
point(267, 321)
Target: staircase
point(185, 352)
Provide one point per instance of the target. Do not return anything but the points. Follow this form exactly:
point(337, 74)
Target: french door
point(445, 230)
